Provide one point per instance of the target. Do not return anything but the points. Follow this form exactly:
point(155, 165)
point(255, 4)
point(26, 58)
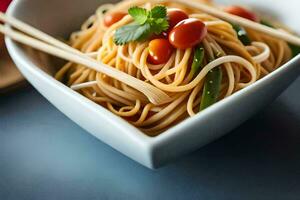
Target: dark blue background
point(44, 155)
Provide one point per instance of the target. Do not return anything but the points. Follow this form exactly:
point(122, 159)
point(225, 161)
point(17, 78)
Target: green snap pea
point(242, 34)
point(212, 88)
point(197, 60)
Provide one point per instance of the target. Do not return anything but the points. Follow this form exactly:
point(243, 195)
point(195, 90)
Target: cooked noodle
point(241, 66)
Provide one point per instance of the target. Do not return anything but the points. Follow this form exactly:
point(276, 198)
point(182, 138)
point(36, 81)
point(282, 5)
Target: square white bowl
point(59, 18)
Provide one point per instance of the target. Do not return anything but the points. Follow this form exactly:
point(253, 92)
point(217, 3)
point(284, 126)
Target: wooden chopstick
point(242, 21)
point(30, 30)
point(155, 95)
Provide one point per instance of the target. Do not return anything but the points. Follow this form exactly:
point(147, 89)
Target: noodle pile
point(241, 66)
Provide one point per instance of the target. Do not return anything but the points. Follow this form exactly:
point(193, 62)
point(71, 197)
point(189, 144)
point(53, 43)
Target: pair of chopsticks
point(48, 44)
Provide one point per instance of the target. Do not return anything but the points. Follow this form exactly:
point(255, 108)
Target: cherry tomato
point(163, 35)
point(242, 12)
point(187, 33)
point(175, 16)
point(112, 18)
point(160, 50)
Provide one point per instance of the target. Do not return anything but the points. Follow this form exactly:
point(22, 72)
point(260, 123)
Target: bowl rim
point(150, 143)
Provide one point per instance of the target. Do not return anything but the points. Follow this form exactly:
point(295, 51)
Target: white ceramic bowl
point(61, 17)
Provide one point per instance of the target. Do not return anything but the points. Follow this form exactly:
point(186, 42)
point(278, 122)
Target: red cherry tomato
point(112, 18)
point(187, 33)
point(242, 12)
point(163, 35)
point(175, 16)
point(160, 50)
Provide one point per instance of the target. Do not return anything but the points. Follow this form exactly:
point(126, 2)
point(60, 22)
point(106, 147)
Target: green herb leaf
point(145, 24)
point(159, 25)
point(158, 12)
point(140, 15)
point(131, 32)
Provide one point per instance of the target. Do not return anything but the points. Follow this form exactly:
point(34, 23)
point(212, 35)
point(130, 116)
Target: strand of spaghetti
point(264, 54)
point(83, 85)
point(202, 74)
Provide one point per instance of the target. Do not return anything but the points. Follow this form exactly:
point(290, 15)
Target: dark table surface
point(44, 155)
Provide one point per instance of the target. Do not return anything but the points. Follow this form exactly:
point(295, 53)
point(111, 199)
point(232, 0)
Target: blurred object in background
point(4, 4)
point(3, 7)
point(10, 77)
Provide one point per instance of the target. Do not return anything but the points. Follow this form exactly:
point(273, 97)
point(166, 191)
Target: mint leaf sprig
point(145, 24)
